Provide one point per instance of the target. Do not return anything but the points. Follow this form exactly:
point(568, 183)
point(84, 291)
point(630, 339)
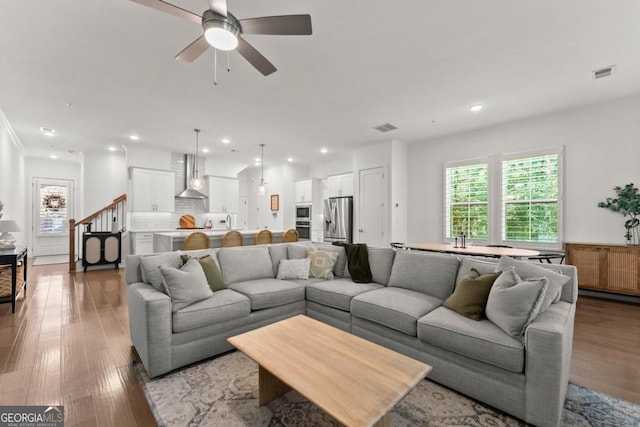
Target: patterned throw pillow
point(289, 269)
point(322, 263)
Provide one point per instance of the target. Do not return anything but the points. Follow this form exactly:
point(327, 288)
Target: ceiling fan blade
point(218, 6)
point(287, 25)
point(254, 57)
point(194, 50)
point(163, 6)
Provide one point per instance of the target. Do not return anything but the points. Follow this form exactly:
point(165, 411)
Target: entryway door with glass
point(52, 208)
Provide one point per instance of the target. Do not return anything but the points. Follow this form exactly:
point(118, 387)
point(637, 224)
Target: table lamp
point(7, 241)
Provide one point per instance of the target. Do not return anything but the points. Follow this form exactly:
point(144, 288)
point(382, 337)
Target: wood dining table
point(486, 251)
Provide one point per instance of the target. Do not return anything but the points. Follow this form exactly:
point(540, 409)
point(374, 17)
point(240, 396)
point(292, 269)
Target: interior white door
point(52, 208)
point(243, 213)
point(372, 218)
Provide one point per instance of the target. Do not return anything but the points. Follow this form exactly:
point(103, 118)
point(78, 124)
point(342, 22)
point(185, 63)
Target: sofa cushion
point(380, 262)
point(186, 285)
point(514, 303)
point(222, 306)
point(470, 296)
point(425, 272)
point(277, 253)
point(338, 293)
point(211, 270)
point(480, 340)
point(294, 269)
point(321, 263)
point(150, 267)
point(395, 308)
point(239, 264)
point(265, 293)
point(528, 270)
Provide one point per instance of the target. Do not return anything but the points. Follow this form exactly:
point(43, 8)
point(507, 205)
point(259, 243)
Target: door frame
point(33, 215)
point(384, 207)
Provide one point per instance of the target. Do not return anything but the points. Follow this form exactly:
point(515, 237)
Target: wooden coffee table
point(355, 381)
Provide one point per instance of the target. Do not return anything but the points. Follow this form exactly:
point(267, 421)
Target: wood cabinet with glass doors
point(607, 268)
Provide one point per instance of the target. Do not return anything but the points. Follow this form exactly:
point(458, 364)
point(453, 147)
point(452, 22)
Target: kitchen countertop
point(210, 233)
point(173, 240)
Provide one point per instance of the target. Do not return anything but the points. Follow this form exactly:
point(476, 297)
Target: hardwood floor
point(68, 344)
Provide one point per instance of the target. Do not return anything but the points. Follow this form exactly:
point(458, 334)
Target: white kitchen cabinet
point(340, 185)
point(142, 243)
point(304, 191)
point(224, 194)
point(317, 236)
point(153, 190)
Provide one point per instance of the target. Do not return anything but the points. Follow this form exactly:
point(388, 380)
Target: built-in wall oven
point(303, 212)
point(304, 230)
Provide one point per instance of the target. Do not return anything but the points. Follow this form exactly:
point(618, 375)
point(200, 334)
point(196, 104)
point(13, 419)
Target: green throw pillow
point(471, 294)
point(211, 272)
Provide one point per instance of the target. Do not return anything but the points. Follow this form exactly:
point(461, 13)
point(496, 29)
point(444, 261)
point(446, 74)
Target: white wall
point(398, 199)
point(602, 150)
point(104, 177)
point(145, 157)
point(333, 167)
point(218, 167)
point(12, 183)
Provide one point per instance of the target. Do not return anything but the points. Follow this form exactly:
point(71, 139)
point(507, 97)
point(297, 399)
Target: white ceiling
point(417, 64)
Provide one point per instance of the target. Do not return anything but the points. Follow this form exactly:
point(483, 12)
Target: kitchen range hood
point(189, 167)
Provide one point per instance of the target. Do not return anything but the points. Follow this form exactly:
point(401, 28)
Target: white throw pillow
point(514, 303)
point(294, 269)
point(186, 285)
point(150, 267)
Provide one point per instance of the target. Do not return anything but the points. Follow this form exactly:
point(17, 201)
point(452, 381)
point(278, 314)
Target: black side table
point(13, 257)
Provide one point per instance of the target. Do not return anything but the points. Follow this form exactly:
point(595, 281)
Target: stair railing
point(101, 220)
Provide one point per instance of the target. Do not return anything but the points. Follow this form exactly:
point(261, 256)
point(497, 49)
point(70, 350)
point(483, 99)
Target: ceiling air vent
point(604, 72)
point(385, 127)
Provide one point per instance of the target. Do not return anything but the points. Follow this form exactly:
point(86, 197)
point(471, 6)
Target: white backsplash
point(152, 221)
point(186, 206)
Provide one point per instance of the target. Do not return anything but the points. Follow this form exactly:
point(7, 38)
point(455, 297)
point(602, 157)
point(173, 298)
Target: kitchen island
point(170, 241)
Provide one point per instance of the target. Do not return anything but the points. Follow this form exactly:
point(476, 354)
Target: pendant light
point(196, 182)
point(261, 188)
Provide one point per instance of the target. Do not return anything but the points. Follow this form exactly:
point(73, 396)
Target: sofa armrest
point(548, 344)
point(150, 320)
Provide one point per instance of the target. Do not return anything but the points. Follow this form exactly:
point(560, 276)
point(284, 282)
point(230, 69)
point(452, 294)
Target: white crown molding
point(12, 134)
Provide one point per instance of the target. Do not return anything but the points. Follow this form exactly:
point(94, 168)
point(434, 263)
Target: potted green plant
point(628, 204)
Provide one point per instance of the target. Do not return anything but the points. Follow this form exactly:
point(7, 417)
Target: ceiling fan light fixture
point(220, 32)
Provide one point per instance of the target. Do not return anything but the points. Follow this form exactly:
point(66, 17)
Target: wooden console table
point(13, 257)
point(608, 268)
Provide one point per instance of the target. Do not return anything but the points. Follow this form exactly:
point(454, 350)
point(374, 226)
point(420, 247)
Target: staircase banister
point(109, 207)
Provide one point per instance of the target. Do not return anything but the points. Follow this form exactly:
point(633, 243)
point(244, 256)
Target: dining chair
point(231, 238)
point(291, 235)
point(196, 240)
point(264, 237)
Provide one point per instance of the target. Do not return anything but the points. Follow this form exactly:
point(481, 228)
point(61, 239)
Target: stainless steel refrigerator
point(338, 219)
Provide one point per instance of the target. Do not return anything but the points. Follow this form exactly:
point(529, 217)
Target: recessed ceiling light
point(112, 148)
point(257, 159)
point(134, 137)
point(226, 140)
point(476, 107)
point(257, 163)
point(324, 150)
point(290, 159)
point(205, 150)
point(48, 131)
point(53, 156)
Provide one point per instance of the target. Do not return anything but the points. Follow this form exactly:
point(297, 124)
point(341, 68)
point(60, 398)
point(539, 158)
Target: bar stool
point(291, 235)
point(264, 237)
point(231, 238)
point(196, 240)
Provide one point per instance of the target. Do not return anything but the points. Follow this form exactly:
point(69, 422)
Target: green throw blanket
point(358, 260)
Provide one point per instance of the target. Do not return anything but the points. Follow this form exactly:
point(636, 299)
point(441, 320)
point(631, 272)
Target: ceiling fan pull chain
point(215, 67)
point(228, 61)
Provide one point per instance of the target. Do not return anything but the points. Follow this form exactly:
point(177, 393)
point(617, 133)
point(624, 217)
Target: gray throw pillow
point(149, 266)
point(186, 285)
point(291, 269)
point(513, 303)
point(528, 270)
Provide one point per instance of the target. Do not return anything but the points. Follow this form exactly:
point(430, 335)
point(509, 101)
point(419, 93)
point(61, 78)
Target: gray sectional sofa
point(401, 309)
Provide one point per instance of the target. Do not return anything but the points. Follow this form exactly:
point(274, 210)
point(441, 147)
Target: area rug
point(51, 259)
point(223, 392)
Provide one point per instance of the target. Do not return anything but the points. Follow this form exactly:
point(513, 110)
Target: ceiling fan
point(223, 31)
